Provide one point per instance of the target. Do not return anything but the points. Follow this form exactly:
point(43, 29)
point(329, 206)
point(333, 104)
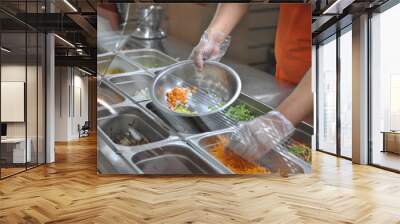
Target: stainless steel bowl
point(221, 84)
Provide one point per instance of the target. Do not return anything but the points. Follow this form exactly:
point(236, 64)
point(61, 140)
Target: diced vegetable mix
point(240, 112)
point(177, 99)
point(177, 95)
point(301, 151)
point(182, 109)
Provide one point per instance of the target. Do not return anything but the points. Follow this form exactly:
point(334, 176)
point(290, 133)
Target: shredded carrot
point(177, 95)
point(233, 161)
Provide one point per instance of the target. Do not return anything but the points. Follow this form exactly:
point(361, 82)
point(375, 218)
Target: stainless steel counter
point(165, 143)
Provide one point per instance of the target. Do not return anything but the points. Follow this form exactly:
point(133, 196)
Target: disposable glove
point(256, 138)
point(212, 46)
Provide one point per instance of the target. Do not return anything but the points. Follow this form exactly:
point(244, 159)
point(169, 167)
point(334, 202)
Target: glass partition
point(31, 98)
point(385, 89)
point(14, 153)
point(41, 97)
point(327, 96)
point(22, 77)
point(346, 93)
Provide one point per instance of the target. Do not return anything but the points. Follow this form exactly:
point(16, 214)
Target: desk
point(391, 141)
point(13, 150)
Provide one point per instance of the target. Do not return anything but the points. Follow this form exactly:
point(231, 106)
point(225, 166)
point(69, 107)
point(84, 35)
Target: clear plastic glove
point(257, 137)
point(212, 46)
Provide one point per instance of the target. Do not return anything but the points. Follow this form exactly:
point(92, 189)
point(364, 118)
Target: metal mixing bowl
point(220, 83)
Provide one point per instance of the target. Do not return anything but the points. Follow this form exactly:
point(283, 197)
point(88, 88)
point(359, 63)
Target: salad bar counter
point(136, 137)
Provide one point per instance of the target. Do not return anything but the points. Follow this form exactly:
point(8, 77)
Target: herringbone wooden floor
point(70, 191)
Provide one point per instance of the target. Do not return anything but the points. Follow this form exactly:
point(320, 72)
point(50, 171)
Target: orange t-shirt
point(293, 42)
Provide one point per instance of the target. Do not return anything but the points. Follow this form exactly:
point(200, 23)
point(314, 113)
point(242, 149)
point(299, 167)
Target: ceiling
point(72, 20)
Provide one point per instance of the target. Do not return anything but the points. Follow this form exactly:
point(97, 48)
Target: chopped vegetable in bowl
point(182, 109)
point(178, 95)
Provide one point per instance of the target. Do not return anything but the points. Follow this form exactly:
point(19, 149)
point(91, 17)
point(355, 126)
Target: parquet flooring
point(70, 191)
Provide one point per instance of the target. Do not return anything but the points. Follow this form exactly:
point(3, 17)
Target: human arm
point(215, 40)
point(299, 103)
point(226, 17)
point(255, 138)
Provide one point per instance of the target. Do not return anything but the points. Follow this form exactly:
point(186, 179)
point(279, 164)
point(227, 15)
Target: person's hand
point(257, 137)
point(212, 46)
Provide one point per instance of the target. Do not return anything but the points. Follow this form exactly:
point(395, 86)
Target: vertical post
point(338, 99)
point(0, 98)
point(360, 90)
point(50, 93)
point(314, 91)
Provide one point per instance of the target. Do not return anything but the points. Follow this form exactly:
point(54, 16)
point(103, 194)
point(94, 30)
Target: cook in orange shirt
point(293, 62)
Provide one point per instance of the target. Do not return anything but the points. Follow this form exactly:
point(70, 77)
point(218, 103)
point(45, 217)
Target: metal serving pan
point(108, 95)
point(149, 59)
point(303, 132)
point(109, 162)
point(171, 159)
point(137, 86)
point(131, 123)
point(103, 61)
point(274, 161)
point(117, 66)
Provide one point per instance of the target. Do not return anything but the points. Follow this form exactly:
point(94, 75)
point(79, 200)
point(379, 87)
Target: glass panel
point(327, 96)
point(346, 94)
point(13, 87)
point(385, 84)
point(32, 89)
point(31, 98)
point(41, 99)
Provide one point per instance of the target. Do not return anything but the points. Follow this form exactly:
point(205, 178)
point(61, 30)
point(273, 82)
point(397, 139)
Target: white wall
point(15, 73)
point(61, 103)
point(69, 82)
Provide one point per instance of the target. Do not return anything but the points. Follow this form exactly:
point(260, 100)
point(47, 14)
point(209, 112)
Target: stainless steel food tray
point(149, 59)
point(181, 130)
point(109, 162)
point(173, 158)
point(111, 126)
point(303, 132)
point(120, 65)
point(132, 84)
point(103, 61)
point(275, 161)
point(110, 96)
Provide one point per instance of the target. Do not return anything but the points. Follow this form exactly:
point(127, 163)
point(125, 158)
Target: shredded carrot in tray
point(233, 161)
